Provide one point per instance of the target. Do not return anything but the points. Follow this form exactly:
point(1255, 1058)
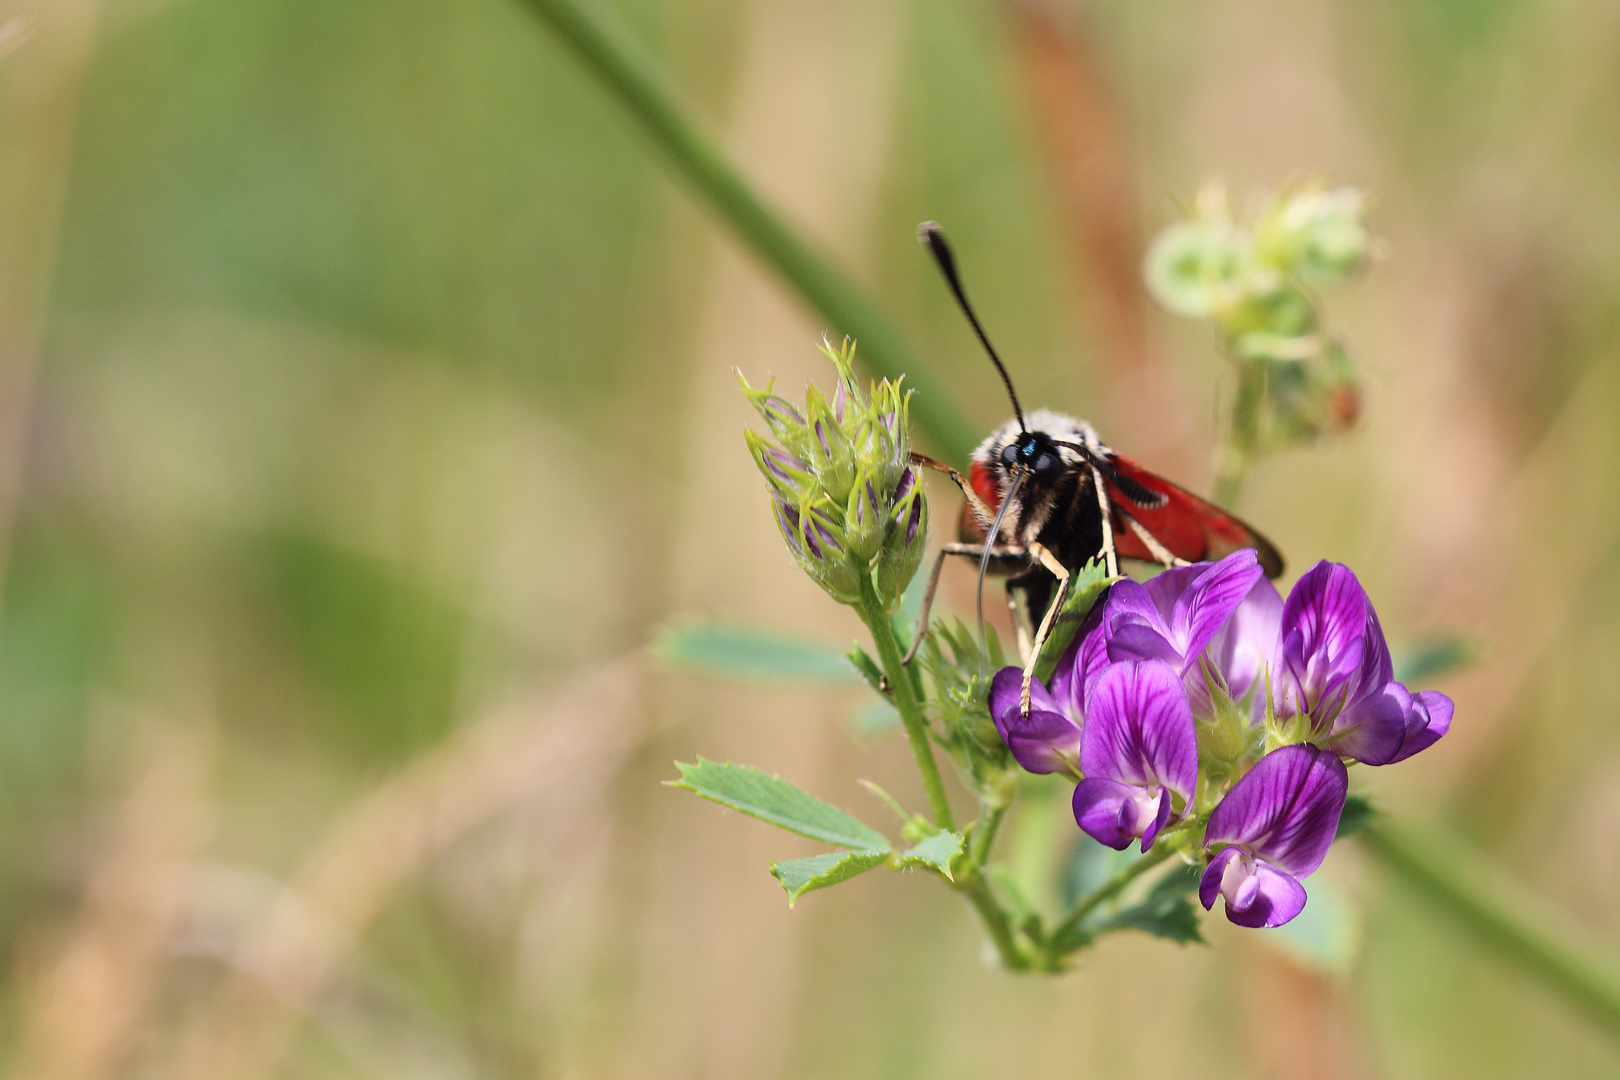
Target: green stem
point(995, 920)
point(1515, 925)
point(1237, 449)
point(985, 835)
point(635, 78)
point(1067, 936)
point(905, 701)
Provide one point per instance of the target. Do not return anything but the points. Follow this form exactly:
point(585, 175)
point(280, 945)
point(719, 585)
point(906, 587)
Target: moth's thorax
point(1040, 493)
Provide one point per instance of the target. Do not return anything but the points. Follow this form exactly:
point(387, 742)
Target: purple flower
point(1278, 823)
point(1045, 741)
point(1223, 607)
point(1333, 666)
point(1138, 748)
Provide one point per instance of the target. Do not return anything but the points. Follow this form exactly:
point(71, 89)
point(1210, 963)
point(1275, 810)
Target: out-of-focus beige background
point(365, 406)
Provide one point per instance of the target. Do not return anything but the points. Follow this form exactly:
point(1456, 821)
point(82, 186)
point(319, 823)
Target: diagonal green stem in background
point(1444, 871)
point(635, 78)
point(1515, 925)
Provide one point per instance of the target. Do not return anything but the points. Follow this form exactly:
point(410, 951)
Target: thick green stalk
point(905, 701)
point(1514, 925)
point(635, 78)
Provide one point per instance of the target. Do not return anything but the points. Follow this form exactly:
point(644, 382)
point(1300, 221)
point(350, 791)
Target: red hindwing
point(1188, 527)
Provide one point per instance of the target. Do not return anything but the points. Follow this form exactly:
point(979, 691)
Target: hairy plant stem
point(1067, 936)
point(904, 696)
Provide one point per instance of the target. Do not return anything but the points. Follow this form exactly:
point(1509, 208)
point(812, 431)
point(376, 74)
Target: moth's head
point(1034, 450)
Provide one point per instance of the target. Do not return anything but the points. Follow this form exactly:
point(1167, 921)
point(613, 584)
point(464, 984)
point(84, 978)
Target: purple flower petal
point(1244, 647)
point(1206, 604)
point(1081, 662)
point(1133, 641)
point(1373, 729)
point(1285, 810)
point(1332, 647)
point(1114, 814)
point(1139, 729)
point(1257, 894)
point(1429, 719)
point(1046, 740)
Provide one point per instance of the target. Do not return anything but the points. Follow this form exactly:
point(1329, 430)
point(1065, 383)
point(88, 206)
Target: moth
point(1045, 495)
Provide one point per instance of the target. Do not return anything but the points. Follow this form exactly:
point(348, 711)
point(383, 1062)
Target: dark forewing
point(1189, 527)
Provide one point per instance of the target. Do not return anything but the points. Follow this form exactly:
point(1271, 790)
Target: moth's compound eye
point(1009, 454)
point(1046, 463)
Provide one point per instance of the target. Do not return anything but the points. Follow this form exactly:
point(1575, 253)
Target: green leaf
point(1358, 814)
point(935, 851)
point(1165, 911)
point(799, 876)
point(750, 653)
point(772, 799)
point(1436, 657)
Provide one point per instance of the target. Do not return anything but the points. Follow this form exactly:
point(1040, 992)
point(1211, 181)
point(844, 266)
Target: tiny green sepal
point(799, 876)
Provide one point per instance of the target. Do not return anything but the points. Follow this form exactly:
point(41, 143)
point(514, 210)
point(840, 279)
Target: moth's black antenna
point(931, 235)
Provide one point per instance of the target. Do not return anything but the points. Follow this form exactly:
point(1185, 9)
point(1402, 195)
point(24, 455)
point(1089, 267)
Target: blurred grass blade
point(751, 653)
point(1502, 915)
point(635, 78)
point(772, 799)
point(1436, 657)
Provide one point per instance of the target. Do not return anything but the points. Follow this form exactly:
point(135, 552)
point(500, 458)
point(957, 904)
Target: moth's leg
point(1061, 572)
point(980, 507)
point(1151, 542)
point(1110, 557)
point(971, 551)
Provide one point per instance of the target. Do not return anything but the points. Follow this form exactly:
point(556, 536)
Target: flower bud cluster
point(1203, 710)
point(845, 496)
point(1254, 281)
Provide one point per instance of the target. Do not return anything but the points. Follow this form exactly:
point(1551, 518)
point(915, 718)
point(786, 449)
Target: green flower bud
point(832, 455)
point(1279, 311)
point(1319, 236)
point(786, 472)
point(785, 421)
point(866, 518)
point(906, 538)
point(819, 547)
point(1197, 268)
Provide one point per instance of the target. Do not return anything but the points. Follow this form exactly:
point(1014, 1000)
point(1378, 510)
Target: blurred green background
point(367, 406)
